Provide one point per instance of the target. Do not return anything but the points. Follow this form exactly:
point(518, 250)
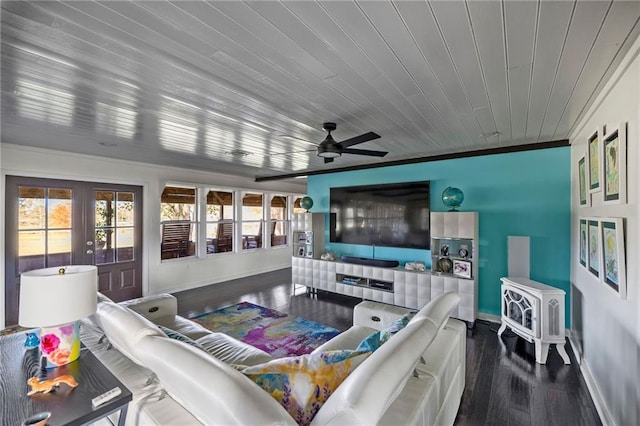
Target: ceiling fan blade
point(359, 139)
point(328, 160)
point(364, 152)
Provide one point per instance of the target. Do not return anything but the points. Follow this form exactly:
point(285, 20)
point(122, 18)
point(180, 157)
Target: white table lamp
point(54, 299)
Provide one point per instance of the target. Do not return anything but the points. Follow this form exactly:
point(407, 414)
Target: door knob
point(89, 243)
point(89, 251)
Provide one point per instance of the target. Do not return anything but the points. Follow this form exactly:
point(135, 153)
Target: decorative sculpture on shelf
point(452, 198)
point(47, 385)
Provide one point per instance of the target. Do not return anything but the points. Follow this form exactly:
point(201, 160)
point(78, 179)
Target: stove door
point(520, 311)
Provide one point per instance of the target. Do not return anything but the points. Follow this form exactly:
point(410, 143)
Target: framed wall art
point(462, 268)
point(613, 258)
point(594, 152)
point(585, 197)
point(615, 166)
point(593, 247)
point(583, 242)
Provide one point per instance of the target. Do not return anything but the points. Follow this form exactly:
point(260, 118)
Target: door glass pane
point(44, 223)
point(31, 249)
point(104, 246)
point(31, 208)
point(59, 208)
point(124, 242)
point(59, 248)
point(125, 209)
point(104, 208)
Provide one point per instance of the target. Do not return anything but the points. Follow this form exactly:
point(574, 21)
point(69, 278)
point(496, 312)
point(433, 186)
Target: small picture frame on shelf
point(301, 251)
point(462, 268)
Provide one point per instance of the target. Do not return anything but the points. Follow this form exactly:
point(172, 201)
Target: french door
point(58, 222)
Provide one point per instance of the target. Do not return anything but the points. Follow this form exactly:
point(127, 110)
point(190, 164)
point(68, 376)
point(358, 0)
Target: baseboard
point(489, 317)
point(594, 391)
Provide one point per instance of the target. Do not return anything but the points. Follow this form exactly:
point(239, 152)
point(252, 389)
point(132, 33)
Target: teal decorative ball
point(306, 203)
point(452, 198)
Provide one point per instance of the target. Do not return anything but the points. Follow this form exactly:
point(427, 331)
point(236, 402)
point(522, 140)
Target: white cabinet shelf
point(308, 235)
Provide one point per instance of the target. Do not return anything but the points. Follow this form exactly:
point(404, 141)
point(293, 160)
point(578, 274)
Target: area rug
point(274, 332)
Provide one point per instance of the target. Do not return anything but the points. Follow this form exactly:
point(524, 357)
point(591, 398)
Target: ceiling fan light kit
point(330, 149)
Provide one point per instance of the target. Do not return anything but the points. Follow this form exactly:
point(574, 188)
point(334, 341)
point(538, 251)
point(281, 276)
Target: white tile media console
point(394, 286)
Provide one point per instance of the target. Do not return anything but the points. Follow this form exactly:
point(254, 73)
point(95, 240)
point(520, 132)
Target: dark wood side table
point(68, 406)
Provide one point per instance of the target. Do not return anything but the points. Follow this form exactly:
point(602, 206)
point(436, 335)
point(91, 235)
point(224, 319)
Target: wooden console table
point(68, 406)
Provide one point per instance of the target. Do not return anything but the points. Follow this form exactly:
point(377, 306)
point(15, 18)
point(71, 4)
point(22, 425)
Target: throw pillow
point(375, 340)
point(303, 383)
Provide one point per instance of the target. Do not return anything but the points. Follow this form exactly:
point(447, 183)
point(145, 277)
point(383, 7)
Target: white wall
point(606, 328)
point(179, 274)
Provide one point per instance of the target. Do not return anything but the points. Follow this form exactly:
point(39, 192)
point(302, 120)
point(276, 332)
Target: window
point(297, 208)
point(220, 221)
point(252, 218)
point(278, 220)
point(178, 222)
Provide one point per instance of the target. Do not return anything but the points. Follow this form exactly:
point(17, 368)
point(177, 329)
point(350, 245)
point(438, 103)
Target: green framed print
point(585, 197)
point(613, 259)
point(593, 247)
point(583, 242)
point(595, 160)
point(615, 166)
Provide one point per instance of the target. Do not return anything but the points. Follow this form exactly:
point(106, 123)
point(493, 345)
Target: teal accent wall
point(524, 194)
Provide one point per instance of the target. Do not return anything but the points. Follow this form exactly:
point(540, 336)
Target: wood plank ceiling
point(244, 87)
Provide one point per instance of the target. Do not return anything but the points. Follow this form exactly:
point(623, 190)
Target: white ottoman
point(376, 315)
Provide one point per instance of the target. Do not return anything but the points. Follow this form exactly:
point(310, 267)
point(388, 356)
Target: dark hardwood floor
point(504, 385)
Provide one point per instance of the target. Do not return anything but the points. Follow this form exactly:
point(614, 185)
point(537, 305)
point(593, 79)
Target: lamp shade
point(49, 298)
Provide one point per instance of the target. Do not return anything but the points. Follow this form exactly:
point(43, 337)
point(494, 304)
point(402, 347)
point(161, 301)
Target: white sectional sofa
point(416, 377)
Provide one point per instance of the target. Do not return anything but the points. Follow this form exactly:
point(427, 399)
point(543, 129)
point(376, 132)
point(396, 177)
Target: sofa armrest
point(377, 315)
point(154, 307)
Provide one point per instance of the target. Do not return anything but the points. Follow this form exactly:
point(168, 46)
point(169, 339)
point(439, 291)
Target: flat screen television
point(388, 215)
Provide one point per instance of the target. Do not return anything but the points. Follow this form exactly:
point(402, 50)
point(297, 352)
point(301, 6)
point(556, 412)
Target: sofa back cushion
point(438, 309)
point(366, 394)
point(215, 393)
point(124, 328)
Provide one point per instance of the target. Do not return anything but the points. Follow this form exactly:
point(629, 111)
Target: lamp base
point(60, 345)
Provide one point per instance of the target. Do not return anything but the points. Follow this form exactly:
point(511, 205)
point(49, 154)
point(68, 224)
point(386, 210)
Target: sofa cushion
point(209, 389)
point(366, 394)
point(232, 351)
point(303, 383)
point(348, 339)
point(376, 339)
point(124, 328)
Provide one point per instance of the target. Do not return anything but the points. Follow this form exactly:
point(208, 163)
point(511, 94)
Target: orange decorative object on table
point(47, 386)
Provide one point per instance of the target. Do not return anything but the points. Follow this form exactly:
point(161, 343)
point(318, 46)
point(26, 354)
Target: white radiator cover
point(535, 312)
